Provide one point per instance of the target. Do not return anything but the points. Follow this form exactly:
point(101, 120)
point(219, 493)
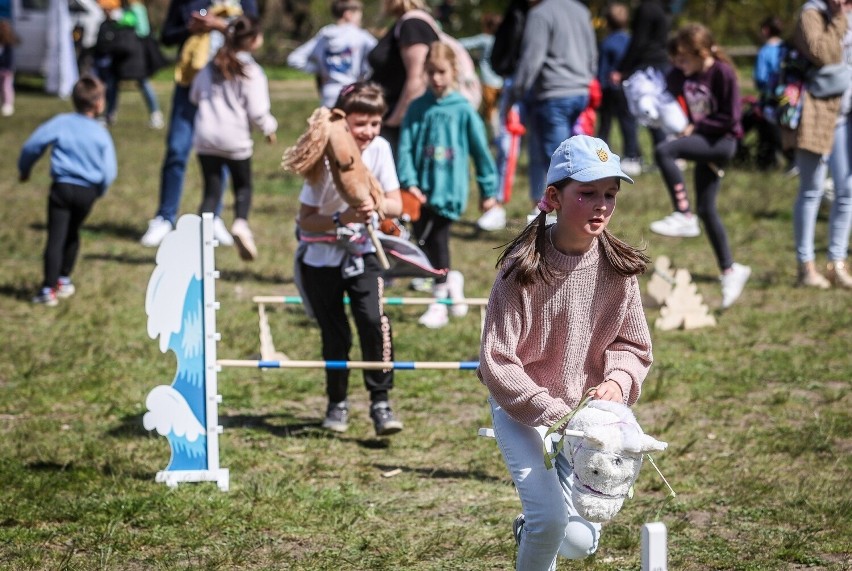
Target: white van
point(36, 23)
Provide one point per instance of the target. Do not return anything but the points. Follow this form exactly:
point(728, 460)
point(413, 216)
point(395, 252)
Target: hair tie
point(347, 90)
point(545, 205)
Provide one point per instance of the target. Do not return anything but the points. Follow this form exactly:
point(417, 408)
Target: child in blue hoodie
point(82, 166)
point(441, 132)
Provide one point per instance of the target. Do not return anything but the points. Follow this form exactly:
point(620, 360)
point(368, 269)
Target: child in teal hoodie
point(441, 132)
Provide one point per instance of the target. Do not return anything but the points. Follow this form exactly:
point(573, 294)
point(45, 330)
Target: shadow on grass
point(122, 231)
point(17, 292)
point(292, 427)
point(129, 427)
point(121, 259)
point(248, 275)
point(442, 474)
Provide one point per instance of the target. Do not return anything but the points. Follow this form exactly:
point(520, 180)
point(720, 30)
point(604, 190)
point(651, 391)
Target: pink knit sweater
point(544, 345)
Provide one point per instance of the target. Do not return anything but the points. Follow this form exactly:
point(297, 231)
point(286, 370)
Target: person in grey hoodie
point(337, 54)
point(558, 61)
point(232, 94)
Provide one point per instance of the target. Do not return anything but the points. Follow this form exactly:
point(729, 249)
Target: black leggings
point(211, 170)
point(433, 235)
point(324, 288)
point(709, 156)
point(67, 208)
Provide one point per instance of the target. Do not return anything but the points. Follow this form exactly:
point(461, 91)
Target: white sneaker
point(221, 234)
point(64, 288)
point(435, 317)
point(7, 110)
point(455, 287)
point(733, 283)
point(244, 239)
point(423, 285)
point(677, 225)
point(155, 120)
point(157, 230)
point(493, 219)
point(631, 167)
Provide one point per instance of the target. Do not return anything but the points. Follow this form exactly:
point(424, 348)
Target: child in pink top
point(564, 320)
point(232, 95)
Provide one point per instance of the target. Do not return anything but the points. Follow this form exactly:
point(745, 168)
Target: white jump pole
point(655, 552)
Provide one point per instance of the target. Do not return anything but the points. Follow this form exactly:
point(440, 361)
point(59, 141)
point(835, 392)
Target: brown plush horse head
point(328, 137)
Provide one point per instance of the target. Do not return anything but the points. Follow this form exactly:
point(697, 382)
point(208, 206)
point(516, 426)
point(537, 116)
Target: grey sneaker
point(517, 528)
point(336, 417)
point(383, 419)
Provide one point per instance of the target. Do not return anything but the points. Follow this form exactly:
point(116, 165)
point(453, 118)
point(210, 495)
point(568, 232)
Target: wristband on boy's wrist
point(336, 219)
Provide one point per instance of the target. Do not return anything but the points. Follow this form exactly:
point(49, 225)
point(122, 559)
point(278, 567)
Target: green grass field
point(756, 410)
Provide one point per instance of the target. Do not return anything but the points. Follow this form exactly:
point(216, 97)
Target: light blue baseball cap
point(584, 159)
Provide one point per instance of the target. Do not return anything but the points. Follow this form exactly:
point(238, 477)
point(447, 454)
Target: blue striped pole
point(297, 300)
point(343, 365)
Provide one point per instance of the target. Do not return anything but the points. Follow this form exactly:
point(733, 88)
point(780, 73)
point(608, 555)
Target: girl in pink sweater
point(232, 94)
point(564, 320)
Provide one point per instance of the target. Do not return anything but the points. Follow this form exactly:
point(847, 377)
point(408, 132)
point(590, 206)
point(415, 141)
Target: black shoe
point(383, 419)
point(336, 417)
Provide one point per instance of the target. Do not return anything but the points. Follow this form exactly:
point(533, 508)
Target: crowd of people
point(418, 133)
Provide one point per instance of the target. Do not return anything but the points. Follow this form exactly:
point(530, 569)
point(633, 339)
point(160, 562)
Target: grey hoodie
point(559, 55)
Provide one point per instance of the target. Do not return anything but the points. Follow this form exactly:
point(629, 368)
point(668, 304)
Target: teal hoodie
point(438, 138)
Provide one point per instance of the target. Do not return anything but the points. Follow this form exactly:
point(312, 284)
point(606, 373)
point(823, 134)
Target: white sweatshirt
point(337, 55)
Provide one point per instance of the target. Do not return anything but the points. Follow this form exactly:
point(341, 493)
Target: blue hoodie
point(82, 154)
point(437, 141)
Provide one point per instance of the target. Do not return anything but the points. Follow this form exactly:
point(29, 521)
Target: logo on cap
point(602, 155)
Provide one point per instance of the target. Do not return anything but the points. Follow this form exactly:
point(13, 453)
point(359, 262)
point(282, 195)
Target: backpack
point(468, 80)
point(507, 39)
point(782, 103)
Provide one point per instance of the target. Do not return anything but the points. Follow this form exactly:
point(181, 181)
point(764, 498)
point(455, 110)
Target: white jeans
point(552, 526)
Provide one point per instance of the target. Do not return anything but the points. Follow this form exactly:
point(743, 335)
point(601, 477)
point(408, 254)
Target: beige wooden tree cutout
point(661, 283)
point(684, 306)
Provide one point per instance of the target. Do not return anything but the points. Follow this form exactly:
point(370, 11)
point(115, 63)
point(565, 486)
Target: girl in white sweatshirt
point(232, 94)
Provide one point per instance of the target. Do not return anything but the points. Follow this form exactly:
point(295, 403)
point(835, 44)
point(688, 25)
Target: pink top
point(544, 346)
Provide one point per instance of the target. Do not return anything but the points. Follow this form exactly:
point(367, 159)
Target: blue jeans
point(614, 106)
point(145, 87)
point(812, 170)
point(550, 122)
point(552, 526)
point(178, 147)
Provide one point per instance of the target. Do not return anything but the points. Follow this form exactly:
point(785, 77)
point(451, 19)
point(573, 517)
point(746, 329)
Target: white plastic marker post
point(655, 552)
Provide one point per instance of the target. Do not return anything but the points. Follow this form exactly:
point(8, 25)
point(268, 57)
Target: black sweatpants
point(432, 232)
point(67, 208)
point(324, 288)
point(211, 170)
point(707, 183)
